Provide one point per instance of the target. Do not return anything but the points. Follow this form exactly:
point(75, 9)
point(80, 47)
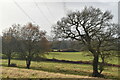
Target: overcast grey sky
point(46, 13)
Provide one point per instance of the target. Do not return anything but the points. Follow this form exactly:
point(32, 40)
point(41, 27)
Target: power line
point(65, 8)
point(23, 11)
point(49, 10)
point(41, 11)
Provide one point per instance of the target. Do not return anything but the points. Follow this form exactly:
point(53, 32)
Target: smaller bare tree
point(30, 42)
point(9, 43)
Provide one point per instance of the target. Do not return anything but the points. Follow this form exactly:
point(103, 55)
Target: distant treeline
point(65, 50)
point(67, 46)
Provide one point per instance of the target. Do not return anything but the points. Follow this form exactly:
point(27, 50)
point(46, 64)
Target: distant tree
point(55, 44)
point(44, 44)
point(30, 38)
point(91, 26)
point(66, 44)
point(9, 43)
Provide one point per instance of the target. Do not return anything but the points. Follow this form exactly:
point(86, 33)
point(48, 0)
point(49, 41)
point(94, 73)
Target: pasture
point(60, 67)
point(64, 68)
point(77, 56)
point(25, 73)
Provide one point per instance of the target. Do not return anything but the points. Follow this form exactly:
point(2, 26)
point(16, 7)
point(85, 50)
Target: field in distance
point(77, 56)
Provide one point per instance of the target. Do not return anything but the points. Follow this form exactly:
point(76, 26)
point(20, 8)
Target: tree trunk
point(28, 62)
point(95, 66)
point(102, 64)
point(9, 59)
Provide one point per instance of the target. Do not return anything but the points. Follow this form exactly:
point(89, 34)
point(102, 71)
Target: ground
point(10, 72)
point(43, 69)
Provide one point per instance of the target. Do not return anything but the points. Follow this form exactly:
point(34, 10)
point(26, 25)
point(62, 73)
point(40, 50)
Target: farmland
point(77, 56)
point(25, 73)
point(59, 67)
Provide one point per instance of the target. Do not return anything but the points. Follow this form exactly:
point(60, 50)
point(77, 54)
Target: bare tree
point(91, 26)
point(30, 42)
point(9, 43)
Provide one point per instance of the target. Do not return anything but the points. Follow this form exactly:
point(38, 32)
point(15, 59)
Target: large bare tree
point(91, 26)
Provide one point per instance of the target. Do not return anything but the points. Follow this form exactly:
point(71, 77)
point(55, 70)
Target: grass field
point(76, 56)
point(25, 73)
point(65, 68)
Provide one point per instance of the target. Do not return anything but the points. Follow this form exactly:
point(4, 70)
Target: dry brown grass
point(10, 72)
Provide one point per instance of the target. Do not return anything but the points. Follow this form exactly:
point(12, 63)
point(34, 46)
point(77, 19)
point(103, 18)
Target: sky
point(44, 13)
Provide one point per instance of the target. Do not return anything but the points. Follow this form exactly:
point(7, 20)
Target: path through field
point(10, 72)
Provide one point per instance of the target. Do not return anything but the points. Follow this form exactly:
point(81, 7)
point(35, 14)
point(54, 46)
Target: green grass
point(66, 68)
point(71, 56)
point(76, 56)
